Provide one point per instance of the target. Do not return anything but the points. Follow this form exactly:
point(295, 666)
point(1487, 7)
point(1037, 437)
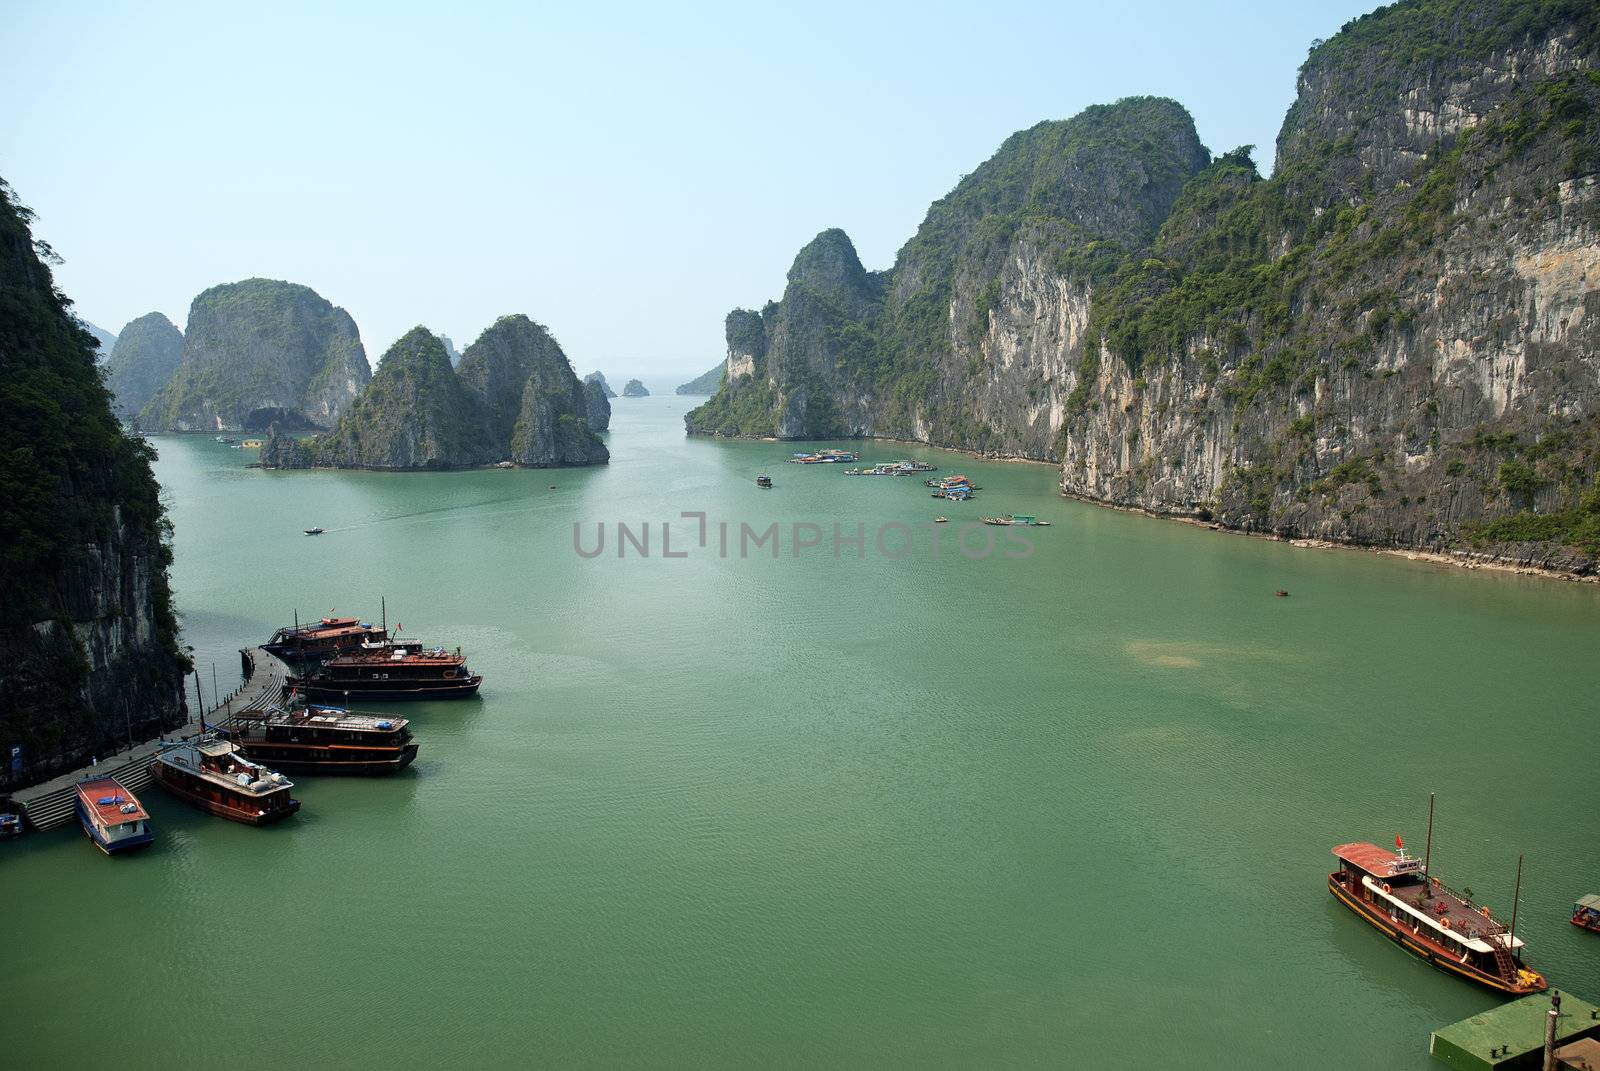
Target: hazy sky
point(625, 174)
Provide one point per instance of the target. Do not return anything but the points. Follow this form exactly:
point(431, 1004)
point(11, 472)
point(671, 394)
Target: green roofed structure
point(1511, 1036)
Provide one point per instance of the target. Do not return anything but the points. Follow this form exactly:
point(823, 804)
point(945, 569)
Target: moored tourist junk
point(1396, 894)
point(323, 639)
point(390, 671)
point(323, 739)
point(214, 775)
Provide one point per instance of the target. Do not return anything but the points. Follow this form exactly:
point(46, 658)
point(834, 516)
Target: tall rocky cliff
point(707, 383)
point(594, 394)
point(88, 641)
point(145, 355)
point(513, 398)
point(1394, 340)
point(257, 352)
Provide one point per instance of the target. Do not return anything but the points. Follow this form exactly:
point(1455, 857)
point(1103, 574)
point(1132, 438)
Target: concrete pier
point(51, 803)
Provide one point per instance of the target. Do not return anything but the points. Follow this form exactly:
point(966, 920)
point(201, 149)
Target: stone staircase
point(51, 804)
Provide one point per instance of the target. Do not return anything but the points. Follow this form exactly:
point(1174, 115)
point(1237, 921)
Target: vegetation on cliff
point(1095, 184)
point(145, 355)
point(708, 383)
point(513, 398)
point(88, 638)
point(634, 389)
point(599, 378)
point(415, 414)
point(1327, 352)
point(259, 350)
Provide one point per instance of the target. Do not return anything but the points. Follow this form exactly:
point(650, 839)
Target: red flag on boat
point(1397, 843)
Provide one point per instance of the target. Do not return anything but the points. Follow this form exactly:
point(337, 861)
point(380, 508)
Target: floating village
point(290, 716)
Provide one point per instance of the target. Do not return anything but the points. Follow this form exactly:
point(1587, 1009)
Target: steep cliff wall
point(88, 641)
point(415, 414)
point(144, 356)
point(905, 353)
point(258, 351)
point(513, 398)
point(1393, 340)
point(1404, 349)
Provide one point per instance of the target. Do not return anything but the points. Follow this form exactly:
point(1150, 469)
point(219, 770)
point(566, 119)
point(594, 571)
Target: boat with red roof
point(112, 816)
point(323, 639)
point(1394, 893)
point(389, 672)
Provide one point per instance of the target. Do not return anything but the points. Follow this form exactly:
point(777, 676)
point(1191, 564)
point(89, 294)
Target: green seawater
point(1072, 809)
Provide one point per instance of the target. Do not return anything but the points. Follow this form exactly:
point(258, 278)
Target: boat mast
point(1427, 851)
point(383, 608)
point(1511, 938)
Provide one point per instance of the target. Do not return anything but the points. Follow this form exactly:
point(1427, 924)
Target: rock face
point(105, 338)
point(88, 639)
point(415, 414)
point(901, 353)
point(634, 389)
point(147, 353)
point(513, 398)
point(1394, 340)
point(596, 377)
point(706, 384)
point(261, 351)
point(450, 350)
point(534, 400)
point(599, 405)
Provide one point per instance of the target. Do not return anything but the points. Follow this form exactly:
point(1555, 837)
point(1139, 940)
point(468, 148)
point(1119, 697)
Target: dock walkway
point(50, 804)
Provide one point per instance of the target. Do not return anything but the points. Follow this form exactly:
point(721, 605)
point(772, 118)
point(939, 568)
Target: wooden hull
point(294, 758)
point(388, 691)
point(249, 814)
point(1423, 948)
point(1592, 925)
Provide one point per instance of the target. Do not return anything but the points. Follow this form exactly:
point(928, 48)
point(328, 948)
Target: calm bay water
point(1070, 809)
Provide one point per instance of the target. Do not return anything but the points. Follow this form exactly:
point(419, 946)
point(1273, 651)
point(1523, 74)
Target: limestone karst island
point(1091, 558)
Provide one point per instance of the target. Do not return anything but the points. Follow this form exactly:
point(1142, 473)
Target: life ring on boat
point(1386, 887)
point(1483, 911)
point(1444, 922)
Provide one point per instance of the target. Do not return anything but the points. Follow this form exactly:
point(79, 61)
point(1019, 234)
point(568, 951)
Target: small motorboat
point(941, 520)
point(1586, 913)
point(10, 826)
point(1282, 594)
point(111, 816)
point(763, 481)
point(314, 531)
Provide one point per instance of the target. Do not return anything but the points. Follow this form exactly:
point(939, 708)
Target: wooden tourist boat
point(214, 775)
point(323, 639)
point(1586, 913)
point(1396, 895)
point(320, 739)
point(111, 816)
point(763, 481)
point(390, 672)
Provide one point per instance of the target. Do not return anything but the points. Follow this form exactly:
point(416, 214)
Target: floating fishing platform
point(1511, 1037)
point(52, 803)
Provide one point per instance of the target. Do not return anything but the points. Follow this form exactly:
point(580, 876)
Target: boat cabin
point(1586, 913)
